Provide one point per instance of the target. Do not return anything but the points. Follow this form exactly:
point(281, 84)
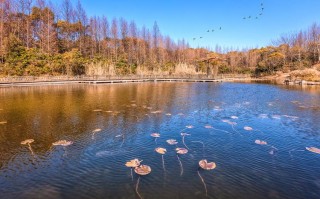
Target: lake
point(214, 115)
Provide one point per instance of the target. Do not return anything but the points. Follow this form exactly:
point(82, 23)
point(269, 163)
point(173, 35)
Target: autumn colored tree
point(37, 37)
point(2, 20)
point(115, 42)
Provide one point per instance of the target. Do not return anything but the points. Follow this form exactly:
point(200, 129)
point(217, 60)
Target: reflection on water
point(111, 124)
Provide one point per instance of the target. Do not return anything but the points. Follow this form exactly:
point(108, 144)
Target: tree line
point(294, 51)
point(38, 37)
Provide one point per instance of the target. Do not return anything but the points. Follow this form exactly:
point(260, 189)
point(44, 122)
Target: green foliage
point(246, 71)
point(124, 68)
point(169, 66)
point(74, 62)
point(21, 61)
point(202, 67)
point(16, 57)
point(224, 69)
point(262, 67)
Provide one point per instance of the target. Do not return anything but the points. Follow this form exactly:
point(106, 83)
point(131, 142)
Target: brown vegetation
point(37, 38)
point(306, 74)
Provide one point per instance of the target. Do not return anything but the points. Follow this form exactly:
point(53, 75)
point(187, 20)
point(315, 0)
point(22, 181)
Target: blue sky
point(192, 18)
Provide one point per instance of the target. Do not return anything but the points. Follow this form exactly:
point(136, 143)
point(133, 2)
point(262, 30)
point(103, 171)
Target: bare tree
point(51, 31)
point(2, 13)
point(133, 43)
point(67, 15)
point(150, 51)
point(143, 45)
point(106, 36)
point(28, 12)
point(114, 33)
point(314, 42)
point(156, 35)
point(81, 18)
point(66, 10)
point(298, 44)
point(93, 29)
point(124, 30)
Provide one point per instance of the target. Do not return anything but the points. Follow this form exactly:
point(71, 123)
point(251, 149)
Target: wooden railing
point(127, 77)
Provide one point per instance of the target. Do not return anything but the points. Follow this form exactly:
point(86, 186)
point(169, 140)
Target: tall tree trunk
point(48, 32)
point(1, 31)
point(318, 48)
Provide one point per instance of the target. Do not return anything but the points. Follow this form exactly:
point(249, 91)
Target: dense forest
point(40, 38)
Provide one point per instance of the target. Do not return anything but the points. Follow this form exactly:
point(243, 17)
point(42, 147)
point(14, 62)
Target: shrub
point(316, 67)
point(307, 75)
point(74, 62)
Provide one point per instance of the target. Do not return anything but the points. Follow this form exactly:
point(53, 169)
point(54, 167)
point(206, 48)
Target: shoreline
point(38, 81)
point(120, 81)
point(101, 81)
point(284, 79)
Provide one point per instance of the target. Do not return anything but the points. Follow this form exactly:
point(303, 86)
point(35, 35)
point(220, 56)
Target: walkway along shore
point(58, 80)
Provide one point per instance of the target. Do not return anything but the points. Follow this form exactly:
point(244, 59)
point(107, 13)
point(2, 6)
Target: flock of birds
point(208, 31)
point(256, 17)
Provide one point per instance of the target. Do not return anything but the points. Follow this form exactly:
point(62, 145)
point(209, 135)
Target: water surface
point(287, 118)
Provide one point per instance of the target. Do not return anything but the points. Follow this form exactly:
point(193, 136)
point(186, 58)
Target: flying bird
point(220, 28)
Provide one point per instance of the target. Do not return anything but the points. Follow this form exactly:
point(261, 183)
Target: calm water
point(93, 167)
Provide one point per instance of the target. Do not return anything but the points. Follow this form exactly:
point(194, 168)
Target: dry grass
point(185, 69)
point(307, 75)
point(317, 67)
point(104, 69)
point(144, 71)
point(179, 69)
point(100, 69)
